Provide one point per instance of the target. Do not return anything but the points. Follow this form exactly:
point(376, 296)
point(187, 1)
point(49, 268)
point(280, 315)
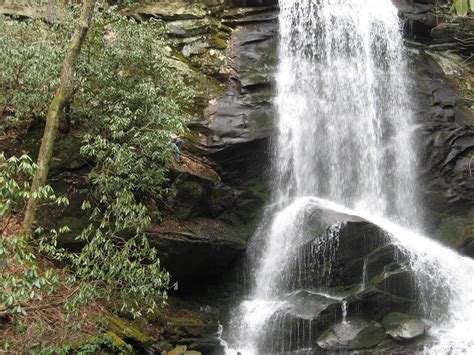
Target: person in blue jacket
point(177, 143)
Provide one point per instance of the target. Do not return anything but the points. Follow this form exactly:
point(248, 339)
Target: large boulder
point(349, 253)
point(351, 335)
point(303, 317)
point(348, 266)
point(393, 290)
point(403, 327)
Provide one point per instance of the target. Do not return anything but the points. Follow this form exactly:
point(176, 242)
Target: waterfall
point(345, 121)
point(345, 138)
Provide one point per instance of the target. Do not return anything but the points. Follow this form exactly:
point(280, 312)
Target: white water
point(346, 134)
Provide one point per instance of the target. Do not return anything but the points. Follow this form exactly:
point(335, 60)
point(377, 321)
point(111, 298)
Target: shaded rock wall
point(232, 133)
point(443, 72)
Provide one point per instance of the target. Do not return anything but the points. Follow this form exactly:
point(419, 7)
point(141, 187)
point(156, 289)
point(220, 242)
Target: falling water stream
point(346, 142)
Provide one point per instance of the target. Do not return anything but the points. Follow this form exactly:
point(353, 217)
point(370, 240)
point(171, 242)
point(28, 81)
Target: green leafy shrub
point(127, 99)
point(30, 58)
point(462, 7)
point(21, 278)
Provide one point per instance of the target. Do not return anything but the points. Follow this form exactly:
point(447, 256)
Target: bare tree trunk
point(55, 109)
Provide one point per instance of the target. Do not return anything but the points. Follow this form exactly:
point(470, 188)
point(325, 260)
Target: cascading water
point(345, 134)
point(345, 123)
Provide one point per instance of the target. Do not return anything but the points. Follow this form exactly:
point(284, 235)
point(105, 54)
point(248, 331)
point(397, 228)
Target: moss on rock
point(125, 329)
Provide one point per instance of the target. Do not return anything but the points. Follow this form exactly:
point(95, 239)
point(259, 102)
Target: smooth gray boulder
point(403, 327)
point(352, 335)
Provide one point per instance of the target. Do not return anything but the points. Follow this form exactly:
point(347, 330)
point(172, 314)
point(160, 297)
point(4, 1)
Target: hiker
point(176, 142)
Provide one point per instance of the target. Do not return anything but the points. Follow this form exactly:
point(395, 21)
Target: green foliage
point(462, 7)
point(99, 344)
point(133, 99)
point(30, 59)
point(127, 99)
point(21, 279)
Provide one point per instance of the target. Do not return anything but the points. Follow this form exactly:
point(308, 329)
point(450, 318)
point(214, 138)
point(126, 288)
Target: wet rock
point(234, 206)
point(200, 193)
point(445, 32)
point(206, 345)
point(303, 317)
point(378, 259)
point(391, 291)
point(240, 12)
point(250, 3)
point(447, 142)
point(352, 335)
point(237, 124)
point(419, 20)
point(162, 346)
point(189, 199)
point(337, 252)
point(403, 327)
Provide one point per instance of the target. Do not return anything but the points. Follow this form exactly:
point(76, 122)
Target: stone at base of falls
point(162, 346)
point(126, 330)
point(209, 345)
point(390, 291)
point(310, 305)
point(403, 327)
point(305, 316)
point(178, 350)
point(352, 335)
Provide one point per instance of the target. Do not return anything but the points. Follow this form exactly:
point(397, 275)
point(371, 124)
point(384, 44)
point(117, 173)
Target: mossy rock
point(117, 340)
point(125, 330)
point(457, 232)
point(391, 291)
point(352, 335)
point(403, 327)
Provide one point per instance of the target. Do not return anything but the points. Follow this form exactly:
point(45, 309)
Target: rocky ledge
point(349, 287)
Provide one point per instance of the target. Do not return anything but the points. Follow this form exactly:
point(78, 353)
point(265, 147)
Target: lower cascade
point(339, 261)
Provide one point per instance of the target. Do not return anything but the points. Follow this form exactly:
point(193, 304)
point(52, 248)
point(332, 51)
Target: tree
point(53, 117)
point(128, 94)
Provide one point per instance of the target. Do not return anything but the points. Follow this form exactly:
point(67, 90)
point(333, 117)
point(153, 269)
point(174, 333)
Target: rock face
point(199, 254)
point(349, 268)
point(230, 55)
point(241, 120)
point(440, 47)
point(448, 144)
